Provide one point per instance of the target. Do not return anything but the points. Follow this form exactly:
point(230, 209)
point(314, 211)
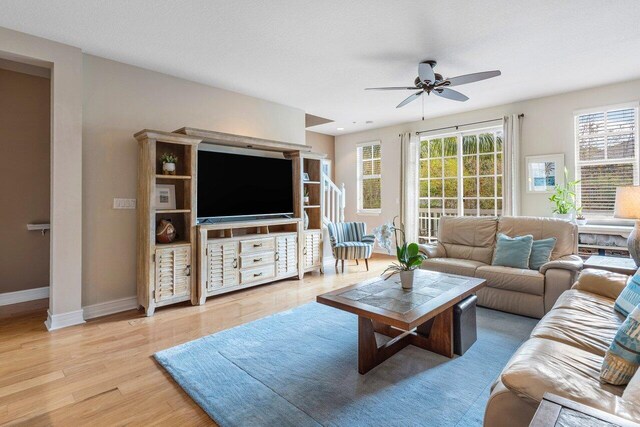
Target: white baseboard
point(8, 298)
point(57, 321)
point(110, 307)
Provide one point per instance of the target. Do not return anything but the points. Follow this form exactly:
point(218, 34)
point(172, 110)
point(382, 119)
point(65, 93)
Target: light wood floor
point(103, 373)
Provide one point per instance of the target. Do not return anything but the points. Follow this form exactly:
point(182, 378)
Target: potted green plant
point(408, 254)
point(564, 198)
point(169, 161)
point(306, 196)
point(580, 219)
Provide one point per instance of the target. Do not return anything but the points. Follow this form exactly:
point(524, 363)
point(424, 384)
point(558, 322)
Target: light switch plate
point(124, 203)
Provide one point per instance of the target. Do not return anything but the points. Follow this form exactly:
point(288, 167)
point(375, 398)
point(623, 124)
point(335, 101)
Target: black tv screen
point(239, 185)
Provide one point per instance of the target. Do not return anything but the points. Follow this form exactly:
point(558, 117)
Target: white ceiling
point(320, 55)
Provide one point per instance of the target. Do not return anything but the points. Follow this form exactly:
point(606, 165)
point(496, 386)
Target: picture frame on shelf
point(165, 196)
point(305, 177)
point(544, 173)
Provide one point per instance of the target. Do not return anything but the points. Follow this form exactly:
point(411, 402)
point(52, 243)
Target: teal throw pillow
point(629, 298)
point(541, 252)
point(513, 251)
point(623, 357)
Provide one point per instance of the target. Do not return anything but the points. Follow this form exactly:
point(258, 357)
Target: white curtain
point(409, 185)
point(511, 178)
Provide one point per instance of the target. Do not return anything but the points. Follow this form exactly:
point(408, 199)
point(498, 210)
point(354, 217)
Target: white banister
point(334, 201)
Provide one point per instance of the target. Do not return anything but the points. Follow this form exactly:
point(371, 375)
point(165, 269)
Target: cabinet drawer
point(257, 259)
point(257, 245)
point(258, 273)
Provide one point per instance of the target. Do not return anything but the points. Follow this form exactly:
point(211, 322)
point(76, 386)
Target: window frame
point(578, 164)
point(360, 177)
point(460, 177)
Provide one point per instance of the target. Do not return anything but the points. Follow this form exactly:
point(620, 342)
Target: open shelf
point(312, 206)
point(160, 176)
point(311, 182)
point(175, 244)
point(170, 211)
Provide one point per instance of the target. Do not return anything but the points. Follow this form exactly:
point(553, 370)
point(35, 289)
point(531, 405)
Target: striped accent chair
point(350, 241)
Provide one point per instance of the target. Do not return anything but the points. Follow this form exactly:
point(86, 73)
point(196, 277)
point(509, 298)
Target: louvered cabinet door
point(312, 250)
point(315, 246)
point(173, 273)
point(286, 255)
point(222, 265)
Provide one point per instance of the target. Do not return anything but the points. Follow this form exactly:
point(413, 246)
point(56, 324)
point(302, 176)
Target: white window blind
point(369, 177)
point(607, 156)
point(460, 174)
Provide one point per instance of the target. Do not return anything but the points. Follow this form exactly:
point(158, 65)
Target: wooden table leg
point(369, 354)
point(436, 335)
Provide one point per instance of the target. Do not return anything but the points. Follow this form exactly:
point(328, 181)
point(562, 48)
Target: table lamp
point(628, 206)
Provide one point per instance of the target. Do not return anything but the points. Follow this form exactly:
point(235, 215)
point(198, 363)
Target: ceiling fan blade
point(392, 88)
point(425, 72)
point(474, 77)
point(410, 98)
point(450, 94)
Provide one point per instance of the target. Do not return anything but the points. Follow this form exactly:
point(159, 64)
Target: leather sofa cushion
point(543, 228)
point(470, 238)
point(588, 322)
point(463, 267)
point(601, 282)
point(542, 365)
point(512, 279)
point(632, 391)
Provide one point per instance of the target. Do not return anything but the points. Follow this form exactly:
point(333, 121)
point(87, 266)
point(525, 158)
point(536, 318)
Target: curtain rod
point(464, 124)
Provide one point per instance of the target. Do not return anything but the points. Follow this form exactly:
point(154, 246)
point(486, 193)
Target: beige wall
point(120, 100)
point(546, 129)
point(325, 144)
point(66, 167)
point(24, 179)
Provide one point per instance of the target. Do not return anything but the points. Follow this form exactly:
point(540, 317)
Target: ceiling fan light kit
point(428, 81)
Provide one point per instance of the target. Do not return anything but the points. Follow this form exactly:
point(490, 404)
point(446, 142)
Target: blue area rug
point(299, 368)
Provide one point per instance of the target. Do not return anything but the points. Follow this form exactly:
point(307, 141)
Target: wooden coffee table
point(422, 316)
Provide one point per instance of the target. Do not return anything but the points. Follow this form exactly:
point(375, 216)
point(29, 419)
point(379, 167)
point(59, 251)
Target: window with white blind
point(369, 178)
point(460, 174)
point(606, 155)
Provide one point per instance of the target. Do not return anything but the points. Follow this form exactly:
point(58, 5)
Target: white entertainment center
point(209, 259)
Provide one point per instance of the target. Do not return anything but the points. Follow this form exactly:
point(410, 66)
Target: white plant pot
point(406, 278)
point(567, 217)
point(581, 221)
point(306, 200)
point(169, 168)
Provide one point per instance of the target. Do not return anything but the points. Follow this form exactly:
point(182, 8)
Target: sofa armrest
point(433, 251)
point(567, 262)
point(368, 238)
point(601, 282)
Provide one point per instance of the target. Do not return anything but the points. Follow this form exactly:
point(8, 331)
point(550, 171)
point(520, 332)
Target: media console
point(239, 255)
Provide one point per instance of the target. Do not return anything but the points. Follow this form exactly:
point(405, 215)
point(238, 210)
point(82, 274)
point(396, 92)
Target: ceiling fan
point(431, 82)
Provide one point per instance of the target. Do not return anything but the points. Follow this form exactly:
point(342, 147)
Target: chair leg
point(343, 266)
point(357, 263)
point(366, 261)
point(337, 266)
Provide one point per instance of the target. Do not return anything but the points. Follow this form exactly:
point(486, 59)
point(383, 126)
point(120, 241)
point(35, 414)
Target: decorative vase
point(306, 220)
point(166, 232)
point(169, 168)
point(406, 278)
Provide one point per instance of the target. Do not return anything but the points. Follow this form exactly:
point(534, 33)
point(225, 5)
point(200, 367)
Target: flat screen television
point(235, 185)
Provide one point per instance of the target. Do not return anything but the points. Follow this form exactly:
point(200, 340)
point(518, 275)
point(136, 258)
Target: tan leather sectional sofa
point(466, 245)
point(564, 355)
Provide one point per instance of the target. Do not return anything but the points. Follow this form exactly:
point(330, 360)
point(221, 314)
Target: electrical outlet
point(124, 203)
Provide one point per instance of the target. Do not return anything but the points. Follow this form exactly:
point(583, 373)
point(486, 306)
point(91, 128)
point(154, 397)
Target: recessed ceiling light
point(369, 122)
point(340, 128)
